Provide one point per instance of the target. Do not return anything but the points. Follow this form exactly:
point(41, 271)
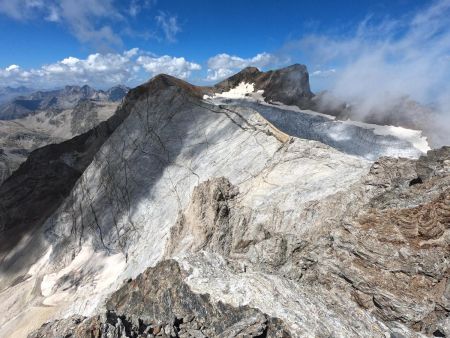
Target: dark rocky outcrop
point(159, 303)
point(288, 85)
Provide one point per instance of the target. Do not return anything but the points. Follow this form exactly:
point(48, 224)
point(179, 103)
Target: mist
point(385, 67)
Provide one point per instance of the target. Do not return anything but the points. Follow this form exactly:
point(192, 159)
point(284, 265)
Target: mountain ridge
point(291, 227)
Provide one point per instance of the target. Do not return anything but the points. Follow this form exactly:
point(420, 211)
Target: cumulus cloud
point(100, 70)
point(178, 67)
point(222, 65)
point(169, 25)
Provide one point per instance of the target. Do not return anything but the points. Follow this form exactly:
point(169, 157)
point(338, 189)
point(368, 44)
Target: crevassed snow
point(245, 93)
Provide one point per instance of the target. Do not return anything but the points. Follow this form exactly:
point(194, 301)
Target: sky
point(353, 48)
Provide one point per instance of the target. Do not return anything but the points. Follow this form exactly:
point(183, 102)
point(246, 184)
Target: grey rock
point(159, 295)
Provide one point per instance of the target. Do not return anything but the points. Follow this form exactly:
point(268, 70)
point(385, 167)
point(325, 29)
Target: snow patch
point(98, 268)
point(241, 91)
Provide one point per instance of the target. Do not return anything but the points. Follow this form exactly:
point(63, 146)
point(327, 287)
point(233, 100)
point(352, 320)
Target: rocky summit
point(235, 210)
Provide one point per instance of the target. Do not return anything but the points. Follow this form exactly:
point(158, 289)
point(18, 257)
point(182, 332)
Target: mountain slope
point(293, 229)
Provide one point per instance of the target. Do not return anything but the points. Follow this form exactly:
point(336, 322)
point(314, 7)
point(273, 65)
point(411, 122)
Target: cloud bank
point(384, 65)
point(383, 60)
point(131, 67)
point(101, 70)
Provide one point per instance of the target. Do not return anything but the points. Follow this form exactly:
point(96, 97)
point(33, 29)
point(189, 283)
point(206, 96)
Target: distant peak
point(289, 85)
point(162, 82)
point(250, 70)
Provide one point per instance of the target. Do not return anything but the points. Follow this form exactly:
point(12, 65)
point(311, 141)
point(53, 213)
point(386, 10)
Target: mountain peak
point(164, 81)
point(289, 85)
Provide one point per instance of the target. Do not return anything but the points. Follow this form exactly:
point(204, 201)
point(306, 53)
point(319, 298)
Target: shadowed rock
point(159, 303)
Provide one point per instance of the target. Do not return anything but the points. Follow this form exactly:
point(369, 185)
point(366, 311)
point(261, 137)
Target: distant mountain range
point(39, 118)
point(60, 99)
point(9, 93)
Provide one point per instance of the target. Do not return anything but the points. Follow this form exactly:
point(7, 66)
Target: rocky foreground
point(182, 217)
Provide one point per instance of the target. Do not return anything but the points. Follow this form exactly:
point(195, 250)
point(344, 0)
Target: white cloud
point(99, 70)
point(169, 25)
point(12, 68)
point(20, 9)
point(81, 17)
point(223, 65)
point(383, 62)
point(389, 59)
point(100, 23)
point(178, 67)
point(136, 6)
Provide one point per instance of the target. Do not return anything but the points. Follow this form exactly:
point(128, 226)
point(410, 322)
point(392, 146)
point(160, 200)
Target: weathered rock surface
point(389, 252)
point(249, 230)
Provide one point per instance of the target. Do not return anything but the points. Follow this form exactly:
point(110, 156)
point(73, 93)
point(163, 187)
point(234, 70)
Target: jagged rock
point(159, 302)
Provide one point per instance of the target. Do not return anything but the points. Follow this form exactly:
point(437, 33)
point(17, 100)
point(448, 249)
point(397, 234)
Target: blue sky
point(49, 43)
point(207, 28)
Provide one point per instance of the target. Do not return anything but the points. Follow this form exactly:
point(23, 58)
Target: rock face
point(182, 217)
point(289, 85)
